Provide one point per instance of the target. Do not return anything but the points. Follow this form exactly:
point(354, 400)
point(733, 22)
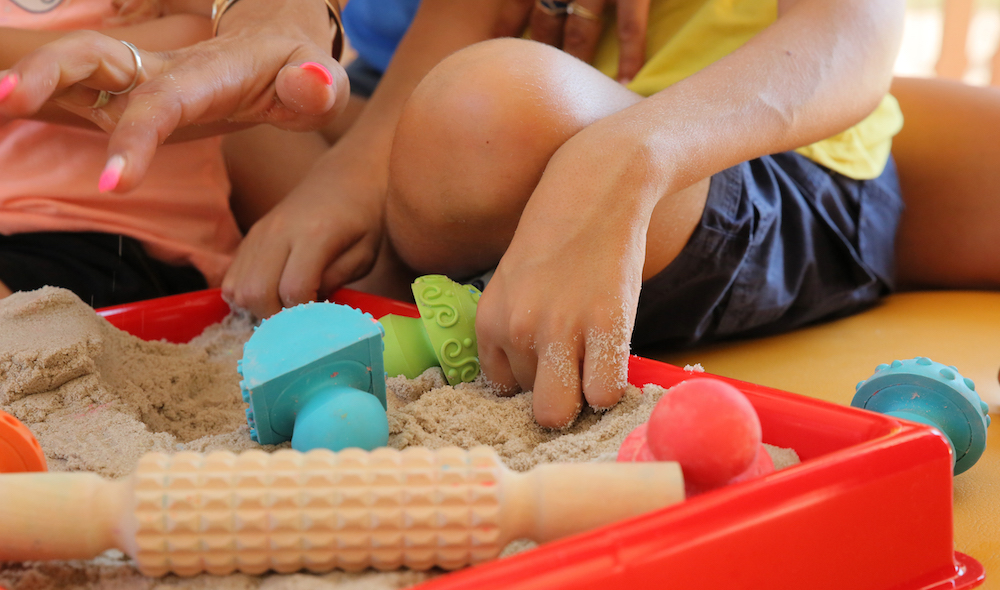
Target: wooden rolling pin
point(190, 513)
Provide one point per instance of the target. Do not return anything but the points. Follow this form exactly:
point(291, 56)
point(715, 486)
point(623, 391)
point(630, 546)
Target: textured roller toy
point(219, 513)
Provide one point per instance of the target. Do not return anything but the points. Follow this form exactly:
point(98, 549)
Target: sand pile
point(98, 398)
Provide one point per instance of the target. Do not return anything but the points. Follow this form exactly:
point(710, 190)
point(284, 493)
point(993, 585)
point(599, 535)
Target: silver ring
point(138, 69)
point(102, 99)
point(553, 7)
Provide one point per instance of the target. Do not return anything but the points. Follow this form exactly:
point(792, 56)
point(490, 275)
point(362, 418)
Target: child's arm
point(327, 232)
point(822, 67)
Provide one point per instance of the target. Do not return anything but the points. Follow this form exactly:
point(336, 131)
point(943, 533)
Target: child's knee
point(470, 146)
point(482, 117)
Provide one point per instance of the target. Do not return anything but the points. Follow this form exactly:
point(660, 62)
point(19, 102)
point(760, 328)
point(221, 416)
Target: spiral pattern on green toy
point(448, 312)
point(457, 360)
point(445, 314)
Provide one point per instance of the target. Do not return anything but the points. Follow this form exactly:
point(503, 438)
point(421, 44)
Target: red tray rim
point(882, 434)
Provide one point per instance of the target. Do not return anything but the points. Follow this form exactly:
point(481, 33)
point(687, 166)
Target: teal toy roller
point(444, 335)
point(924, 391)
point(313, 374)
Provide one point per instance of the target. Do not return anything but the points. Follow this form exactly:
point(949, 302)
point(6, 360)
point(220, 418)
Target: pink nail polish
point(112, 174)
point(319, 69)
point(7, 84)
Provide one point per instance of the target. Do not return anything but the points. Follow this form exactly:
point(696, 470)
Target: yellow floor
point(827, 361)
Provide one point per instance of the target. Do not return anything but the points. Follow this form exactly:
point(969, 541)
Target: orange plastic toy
point(19, 450)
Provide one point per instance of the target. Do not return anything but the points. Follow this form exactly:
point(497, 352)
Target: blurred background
point(954, 39)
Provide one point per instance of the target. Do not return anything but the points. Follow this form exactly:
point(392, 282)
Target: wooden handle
point(557, 500)
point(63, 516)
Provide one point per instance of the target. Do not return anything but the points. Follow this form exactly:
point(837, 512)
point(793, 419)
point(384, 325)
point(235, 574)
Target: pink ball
point(644, 455)
point(709, 427)
point(633, 443)
point(762, 465)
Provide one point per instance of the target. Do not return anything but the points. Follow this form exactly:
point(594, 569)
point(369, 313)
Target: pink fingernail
point(7, 84)
point(112, 174)
point(319, 69)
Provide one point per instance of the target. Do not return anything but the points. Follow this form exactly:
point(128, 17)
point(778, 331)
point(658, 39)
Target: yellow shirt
point(685, 36)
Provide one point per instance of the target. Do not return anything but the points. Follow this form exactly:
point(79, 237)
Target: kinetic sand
point(97, 399)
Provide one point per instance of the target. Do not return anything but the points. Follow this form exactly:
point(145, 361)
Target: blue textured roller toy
point(924, 391)
point(313, 374)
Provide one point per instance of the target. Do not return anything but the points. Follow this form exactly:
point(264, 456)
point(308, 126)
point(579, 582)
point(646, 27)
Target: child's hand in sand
point(324, 234)
point(557, 316)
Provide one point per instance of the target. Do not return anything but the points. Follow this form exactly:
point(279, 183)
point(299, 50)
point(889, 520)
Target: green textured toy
point(444, 335)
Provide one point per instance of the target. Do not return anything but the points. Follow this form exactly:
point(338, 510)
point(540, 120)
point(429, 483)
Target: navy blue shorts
point(102, 269)
point(363, 77)
point(783, 242)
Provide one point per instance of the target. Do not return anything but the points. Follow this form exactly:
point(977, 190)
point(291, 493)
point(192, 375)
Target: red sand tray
point(869, 507)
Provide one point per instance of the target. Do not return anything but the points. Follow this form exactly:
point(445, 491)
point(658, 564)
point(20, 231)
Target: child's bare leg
point(265, 163)
point(4, 291)
point(389, 277)
point(949, 169)
point(474, 140)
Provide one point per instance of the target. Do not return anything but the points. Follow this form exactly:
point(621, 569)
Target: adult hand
point(576, 28)
point(132, 11)
point(272, 74)
point(557, 315)
point(324, 234)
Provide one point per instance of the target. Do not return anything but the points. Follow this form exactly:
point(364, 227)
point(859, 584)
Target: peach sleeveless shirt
point(48, 173)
